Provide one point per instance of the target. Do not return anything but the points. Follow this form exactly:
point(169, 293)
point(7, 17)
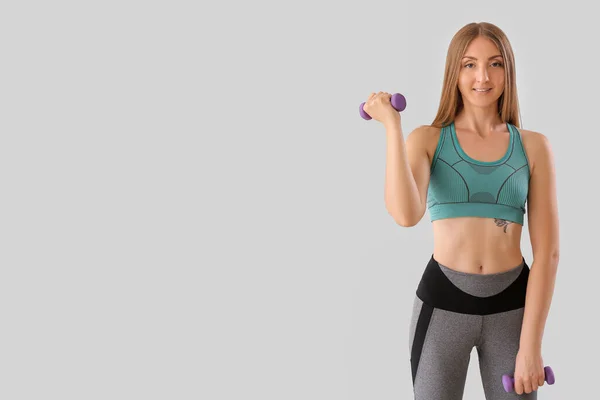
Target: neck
point(483, 121)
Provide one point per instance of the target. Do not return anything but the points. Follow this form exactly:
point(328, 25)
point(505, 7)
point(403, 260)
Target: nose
point(482, 74)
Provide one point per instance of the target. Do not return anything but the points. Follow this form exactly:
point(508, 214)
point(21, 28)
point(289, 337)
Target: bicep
point(542, 202)
point(420, 165)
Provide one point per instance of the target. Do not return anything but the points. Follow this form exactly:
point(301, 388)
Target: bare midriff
point(477, 245)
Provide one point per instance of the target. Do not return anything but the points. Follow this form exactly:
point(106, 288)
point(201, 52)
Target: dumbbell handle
point(398, 102)
point(509, 382)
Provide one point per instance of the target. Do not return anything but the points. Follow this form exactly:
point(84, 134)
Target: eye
point(496, 62)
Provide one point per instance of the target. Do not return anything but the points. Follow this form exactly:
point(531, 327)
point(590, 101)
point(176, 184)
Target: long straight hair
point(451, 102)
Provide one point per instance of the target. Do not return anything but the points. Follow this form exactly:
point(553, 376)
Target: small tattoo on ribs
point(502, 223)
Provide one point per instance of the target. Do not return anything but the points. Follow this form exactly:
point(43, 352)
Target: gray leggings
point(456, 311)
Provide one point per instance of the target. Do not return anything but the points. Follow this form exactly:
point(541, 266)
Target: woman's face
point(482, 67)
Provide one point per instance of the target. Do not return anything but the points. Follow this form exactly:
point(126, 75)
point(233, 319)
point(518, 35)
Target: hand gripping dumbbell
point(509, 382)
point(398, 102)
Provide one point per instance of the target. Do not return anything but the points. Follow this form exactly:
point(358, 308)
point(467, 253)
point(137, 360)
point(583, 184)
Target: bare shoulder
point(536, 145)
point(426, 138)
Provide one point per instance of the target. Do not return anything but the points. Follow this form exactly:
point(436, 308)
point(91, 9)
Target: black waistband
point(438, 291)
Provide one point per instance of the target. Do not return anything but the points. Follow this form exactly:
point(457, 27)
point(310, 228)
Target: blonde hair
point(451, 102)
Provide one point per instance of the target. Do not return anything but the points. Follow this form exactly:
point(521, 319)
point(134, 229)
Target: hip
point(476, 294)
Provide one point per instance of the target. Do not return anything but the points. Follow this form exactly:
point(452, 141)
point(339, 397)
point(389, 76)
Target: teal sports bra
point(461, 186)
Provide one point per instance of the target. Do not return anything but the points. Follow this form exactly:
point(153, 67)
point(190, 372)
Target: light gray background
point(192, 207)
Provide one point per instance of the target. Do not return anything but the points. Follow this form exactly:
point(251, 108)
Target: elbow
point(406, 224)
point(549, 258)
point(407, 221)
point(554, 257)
point(405, 218)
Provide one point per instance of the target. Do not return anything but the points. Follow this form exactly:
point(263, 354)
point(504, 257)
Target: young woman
point(475, 170)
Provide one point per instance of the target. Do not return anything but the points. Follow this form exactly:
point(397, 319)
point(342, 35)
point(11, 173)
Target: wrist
point(391, 124)
point(530, 347)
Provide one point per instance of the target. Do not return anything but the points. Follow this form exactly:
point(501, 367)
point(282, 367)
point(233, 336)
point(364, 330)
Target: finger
point(541, 380)
point(518, 386)
point(534, 386)
point(527, 385)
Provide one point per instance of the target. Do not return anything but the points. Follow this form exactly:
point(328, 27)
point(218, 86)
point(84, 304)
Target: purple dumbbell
point(509, 382)
point(398, 102)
